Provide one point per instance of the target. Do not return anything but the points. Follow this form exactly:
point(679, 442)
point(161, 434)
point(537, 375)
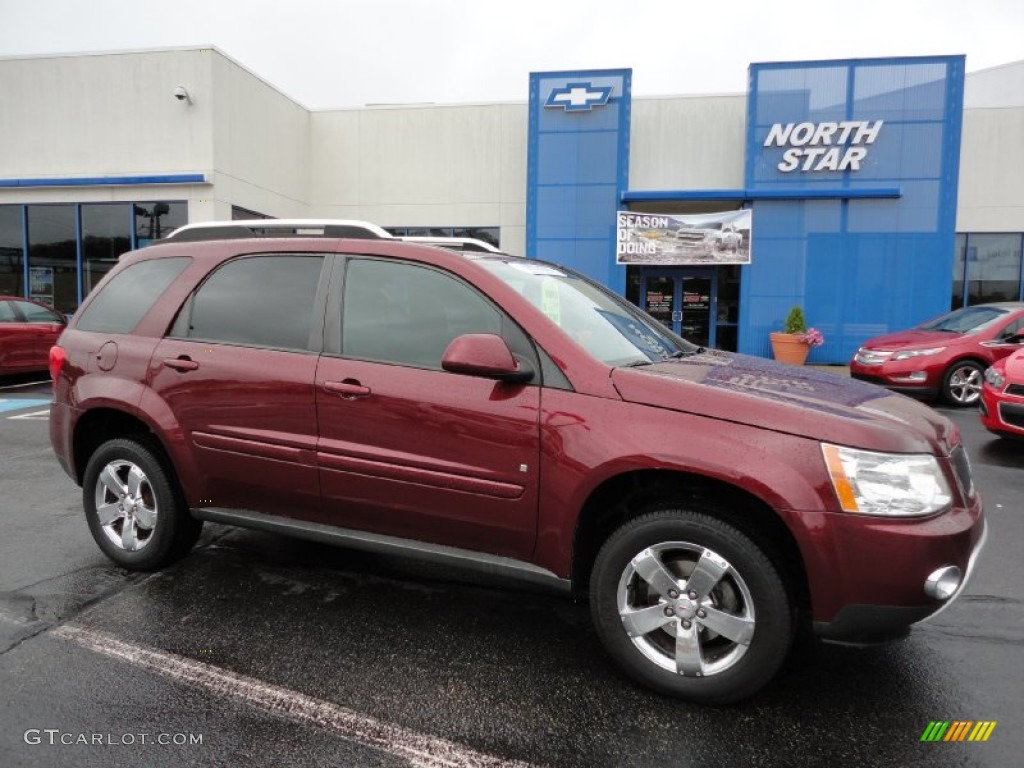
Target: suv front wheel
point(133, 509)
point(689, 605)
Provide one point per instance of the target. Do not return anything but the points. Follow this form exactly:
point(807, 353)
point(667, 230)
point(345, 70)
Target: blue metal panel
point(578, 168)
point(858, 262)
point(746, 195)
point(101, 181)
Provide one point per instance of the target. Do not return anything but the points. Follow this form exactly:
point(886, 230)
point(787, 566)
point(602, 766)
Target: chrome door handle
point(348, 389)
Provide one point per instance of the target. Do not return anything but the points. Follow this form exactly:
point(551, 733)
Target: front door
point(410, 450)
point(683, 300)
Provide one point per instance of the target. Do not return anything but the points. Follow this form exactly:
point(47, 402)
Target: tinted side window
point(265, 301)
point(35, 314)
point(401, 313)
point(7, 313)
point(123, 302)
point(1013, 328)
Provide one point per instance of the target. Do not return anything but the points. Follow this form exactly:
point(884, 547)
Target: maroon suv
point(510, 415)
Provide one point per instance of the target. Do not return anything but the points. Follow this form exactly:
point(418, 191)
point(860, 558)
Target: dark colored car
point(509, 415)
point(944, 357)
point(27, 331)
point(1002, 398)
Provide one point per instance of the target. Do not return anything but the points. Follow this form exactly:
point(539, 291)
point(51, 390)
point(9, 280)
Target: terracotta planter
point(787, 348)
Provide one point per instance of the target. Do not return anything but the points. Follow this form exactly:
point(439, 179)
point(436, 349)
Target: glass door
point(684, 300)
point(695, 323)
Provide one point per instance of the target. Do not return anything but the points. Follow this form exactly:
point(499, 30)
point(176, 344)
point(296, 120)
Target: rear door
point(237, 372)
point(44, 325)
point(1007, 339)
point(408, 449)
point(15, 340)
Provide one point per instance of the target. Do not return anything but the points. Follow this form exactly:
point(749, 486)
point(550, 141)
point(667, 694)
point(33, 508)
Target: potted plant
point(795, 341)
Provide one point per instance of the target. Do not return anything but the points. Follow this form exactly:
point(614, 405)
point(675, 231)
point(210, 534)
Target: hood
point(798, 401)
point(912, 338)
point(1014, 367)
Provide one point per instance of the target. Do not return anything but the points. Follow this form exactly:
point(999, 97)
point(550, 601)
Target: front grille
point(866, 356)
point(1012, 414)
point(962, 467)
point(1015, 389)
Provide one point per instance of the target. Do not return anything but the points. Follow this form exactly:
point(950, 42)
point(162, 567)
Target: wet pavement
point(280, 652)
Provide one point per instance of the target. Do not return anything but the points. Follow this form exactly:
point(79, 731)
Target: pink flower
point(812, 337)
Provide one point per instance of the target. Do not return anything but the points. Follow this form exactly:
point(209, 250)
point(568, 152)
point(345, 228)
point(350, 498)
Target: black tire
point(152, 515)
point(749, 593)
point(961, 384)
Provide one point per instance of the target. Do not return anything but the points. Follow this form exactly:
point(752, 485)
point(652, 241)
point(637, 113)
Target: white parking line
point(419, 749)
point(25, 384)
point(33, 416)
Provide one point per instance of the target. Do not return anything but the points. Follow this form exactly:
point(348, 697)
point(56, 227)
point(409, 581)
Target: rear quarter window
point(261, 301)
point(129, 295)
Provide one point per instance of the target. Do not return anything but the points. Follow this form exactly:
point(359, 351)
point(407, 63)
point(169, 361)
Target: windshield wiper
point(682, 353)
point(637, 363)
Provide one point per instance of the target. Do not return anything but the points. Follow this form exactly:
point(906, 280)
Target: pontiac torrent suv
point(331, 382)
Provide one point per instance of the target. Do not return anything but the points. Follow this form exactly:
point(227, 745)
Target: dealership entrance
point(701, 304)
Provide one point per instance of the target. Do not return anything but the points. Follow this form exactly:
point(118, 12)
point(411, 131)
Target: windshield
point(606, 326)
point(964, 320)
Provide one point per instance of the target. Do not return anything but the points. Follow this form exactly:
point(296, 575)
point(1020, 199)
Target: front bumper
point(901, 375)
point(860, 624)
point(867, 576)
point(1001, 414)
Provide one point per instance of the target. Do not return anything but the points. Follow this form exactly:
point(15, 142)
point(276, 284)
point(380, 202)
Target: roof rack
point(453, 243)
point(248, 228)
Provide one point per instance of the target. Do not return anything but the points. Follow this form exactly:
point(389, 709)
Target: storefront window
point(156, 220)
point(12, 267)
point(993, 267)
point(959, 266)
point(53, 256)
point(487, 234)
point(238, 213)
point(106, 234)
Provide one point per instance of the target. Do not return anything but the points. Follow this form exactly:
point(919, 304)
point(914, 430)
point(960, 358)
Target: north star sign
point(818, 147)
point(579, 97)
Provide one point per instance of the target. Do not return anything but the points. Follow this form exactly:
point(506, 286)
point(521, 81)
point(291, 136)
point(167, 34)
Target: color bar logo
point(958, 730)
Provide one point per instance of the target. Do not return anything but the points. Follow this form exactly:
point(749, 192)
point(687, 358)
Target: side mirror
point(486, 355)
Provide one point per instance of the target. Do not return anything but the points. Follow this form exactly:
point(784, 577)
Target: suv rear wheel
point(133, 509)
point(689, 605)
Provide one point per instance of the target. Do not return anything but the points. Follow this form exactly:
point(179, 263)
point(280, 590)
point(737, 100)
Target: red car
point(944, 357)
point(511, 416)
point(27, 331)
point(1002, 397)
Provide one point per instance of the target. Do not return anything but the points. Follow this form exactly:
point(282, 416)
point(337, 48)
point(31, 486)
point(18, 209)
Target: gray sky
point(337, 54)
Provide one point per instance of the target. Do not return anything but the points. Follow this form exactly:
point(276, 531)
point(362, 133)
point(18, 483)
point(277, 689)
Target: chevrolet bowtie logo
point(579, 97)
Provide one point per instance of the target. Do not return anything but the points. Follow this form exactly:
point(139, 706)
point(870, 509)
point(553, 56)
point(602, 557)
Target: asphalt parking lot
point(258, 650)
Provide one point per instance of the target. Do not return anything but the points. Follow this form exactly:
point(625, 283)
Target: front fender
point(579, 455)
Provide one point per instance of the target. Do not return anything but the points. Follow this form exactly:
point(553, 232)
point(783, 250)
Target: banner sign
point(705, 238)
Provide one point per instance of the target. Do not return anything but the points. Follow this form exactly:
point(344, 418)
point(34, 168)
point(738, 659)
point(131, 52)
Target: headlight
point(906, 354)
point(995, 378)
point(889, 484)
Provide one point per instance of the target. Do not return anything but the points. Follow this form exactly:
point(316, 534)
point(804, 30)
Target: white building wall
point(458, 166)
point(68, 117)
point(261, 145)
point(687, 142)
point(991, 189)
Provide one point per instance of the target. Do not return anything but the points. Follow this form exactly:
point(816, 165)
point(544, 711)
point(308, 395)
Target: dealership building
point(873, 193)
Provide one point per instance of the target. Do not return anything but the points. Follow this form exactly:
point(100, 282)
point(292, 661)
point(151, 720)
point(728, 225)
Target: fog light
point(942, 584)
point(914, 377)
